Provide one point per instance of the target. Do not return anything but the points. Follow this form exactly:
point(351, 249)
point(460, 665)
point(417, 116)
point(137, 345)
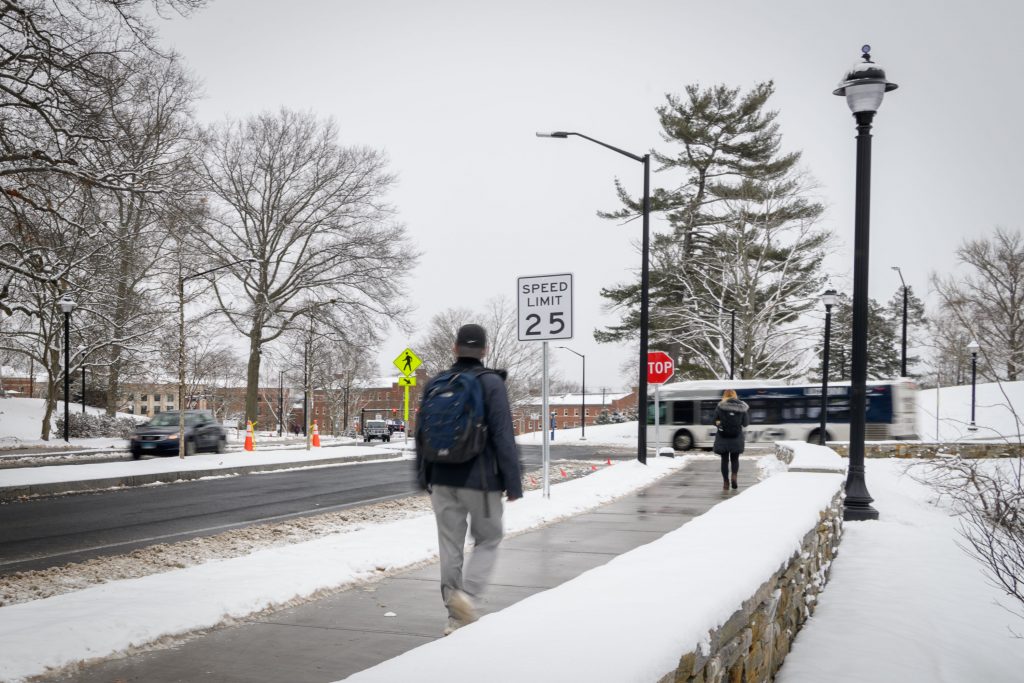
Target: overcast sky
point(453, 91)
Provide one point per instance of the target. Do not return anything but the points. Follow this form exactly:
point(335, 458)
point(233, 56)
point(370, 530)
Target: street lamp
point(81, 352)
point(973, 348)
point(182, 279)
point(829, 299)
point(903, 354)
point(864, 87)
point(583, 402)
point(641, 432)
point(67, 304)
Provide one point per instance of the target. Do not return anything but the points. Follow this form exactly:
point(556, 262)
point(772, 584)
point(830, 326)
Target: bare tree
point(311, 212)
point(989, 301)
point(989, 497)
point(59, 61)
point(522, 360)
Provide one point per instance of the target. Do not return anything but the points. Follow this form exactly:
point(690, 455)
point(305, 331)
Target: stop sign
point(659, 367)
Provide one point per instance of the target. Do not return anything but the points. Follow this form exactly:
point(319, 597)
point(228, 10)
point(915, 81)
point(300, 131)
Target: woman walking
point(731, 417)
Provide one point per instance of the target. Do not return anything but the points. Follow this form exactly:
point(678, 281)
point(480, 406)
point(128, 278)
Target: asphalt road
point(49, 532)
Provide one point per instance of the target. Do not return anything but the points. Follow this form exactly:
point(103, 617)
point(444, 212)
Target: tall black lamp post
point(67, 304)
point(973, 348)
point(641, 432)
point(583, 401)
point(864, 87)
point(829, 299)
point(81, 352)
point(903, 354)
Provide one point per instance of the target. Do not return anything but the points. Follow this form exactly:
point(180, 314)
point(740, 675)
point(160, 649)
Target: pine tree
point(743, 238)
point(917, 325)
point(883, 342)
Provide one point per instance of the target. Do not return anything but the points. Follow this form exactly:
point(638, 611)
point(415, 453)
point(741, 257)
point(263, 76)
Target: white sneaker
point(461, 607)
point(452, 627)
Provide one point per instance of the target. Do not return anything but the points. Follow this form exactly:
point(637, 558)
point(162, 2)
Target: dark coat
point(724, 444)
point(498, 467)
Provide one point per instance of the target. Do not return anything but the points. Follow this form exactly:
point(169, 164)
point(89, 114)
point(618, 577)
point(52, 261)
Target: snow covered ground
point(945, 413)
point(620, 435)
point(119, 615)
point(901, 589)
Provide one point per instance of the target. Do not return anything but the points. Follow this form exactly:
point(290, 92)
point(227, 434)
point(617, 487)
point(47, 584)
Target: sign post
point(545, 312)
point(407, 362)
point(659, 369)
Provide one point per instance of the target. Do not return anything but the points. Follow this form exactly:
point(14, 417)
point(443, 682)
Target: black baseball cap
point(471, 337)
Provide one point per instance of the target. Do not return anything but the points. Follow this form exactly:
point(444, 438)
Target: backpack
point(732, 424)
point(452, 427)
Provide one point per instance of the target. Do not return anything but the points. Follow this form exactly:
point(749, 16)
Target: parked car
point(159, 436)
point(376, 429)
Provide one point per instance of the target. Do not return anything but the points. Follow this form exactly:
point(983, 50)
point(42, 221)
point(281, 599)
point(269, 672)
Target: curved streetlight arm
point(565, 134)
point(900, 273)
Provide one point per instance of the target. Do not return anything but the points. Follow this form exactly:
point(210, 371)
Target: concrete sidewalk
point(331, 638)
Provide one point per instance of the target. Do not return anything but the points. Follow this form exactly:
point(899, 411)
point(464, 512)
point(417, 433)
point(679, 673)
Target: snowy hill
point(945, 413)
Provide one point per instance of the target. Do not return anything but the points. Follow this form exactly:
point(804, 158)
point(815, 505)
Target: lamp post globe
point(67, 304)
point(864, 87)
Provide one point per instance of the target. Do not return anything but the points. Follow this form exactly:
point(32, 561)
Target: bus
point(780, 411)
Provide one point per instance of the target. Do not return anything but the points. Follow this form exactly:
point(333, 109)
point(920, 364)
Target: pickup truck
point(376, 429)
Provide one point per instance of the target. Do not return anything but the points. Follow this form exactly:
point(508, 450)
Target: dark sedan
point(159, 436)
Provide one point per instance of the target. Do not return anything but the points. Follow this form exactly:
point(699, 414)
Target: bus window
point(794, 410)
point(682, 412)
point(764, 411)
point(839, 408)
point(707, 412)
point(661, 412)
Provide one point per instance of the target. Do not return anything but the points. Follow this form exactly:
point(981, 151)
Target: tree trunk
point(252, 390)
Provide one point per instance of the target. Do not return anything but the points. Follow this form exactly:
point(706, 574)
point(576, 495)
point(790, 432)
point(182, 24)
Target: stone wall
point(752, 644)
point(924, 449)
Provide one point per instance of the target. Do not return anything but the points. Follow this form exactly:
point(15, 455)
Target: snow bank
point(905, 594)
point(633, 618)
point(944, 414)
point(102, 620)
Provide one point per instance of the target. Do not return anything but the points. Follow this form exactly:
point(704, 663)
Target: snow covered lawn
point(904, 603)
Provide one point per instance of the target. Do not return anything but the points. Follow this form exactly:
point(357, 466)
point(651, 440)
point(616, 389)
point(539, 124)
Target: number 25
point(555, 318)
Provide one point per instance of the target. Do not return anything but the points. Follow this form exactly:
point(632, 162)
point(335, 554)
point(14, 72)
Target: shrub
point(91, 426)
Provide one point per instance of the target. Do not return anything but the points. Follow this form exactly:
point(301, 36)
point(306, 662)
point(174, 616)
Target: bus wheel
point(682, 441)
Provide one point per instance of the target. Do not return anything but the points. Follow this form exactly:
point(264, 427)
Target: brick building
point(567, 409)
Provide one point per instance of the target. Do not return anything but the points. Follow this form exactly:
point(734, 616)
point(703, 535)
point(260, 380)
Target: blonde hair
point(727, 394)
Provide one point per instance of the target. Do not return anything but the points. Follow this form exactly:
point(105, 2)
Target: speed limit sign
point(545, 307)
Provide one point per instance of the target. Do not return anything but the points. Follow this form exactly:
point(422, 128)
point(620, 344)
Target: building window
point(144, 409)
point(565, 413)
point(575, 412)
point(170, 398)
point(144, 397)
point(586, 412)
point(156, 409)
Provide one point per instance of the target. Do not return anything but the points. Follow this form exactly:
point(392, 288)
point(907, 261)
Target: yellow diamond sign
point(407, 362)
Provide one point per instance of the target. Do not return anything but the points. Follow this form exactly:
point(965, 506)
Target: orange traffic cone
point(316, 435)
point(250, 441)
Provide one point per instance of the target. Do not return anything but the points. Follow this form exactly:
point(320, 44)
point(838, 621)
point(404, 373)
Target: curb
point(13, 493)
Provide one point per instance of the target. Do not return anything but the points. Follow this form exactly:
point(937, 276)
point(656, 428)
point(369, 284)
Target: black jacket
point(498, 467)
point(734, 444)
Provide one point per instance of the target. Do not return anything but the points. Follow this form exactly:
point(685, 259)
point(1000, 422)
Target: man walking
point(470, 489)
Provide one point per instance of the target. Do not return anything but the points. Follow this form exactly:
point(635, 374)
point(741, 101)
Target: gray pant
point(452, 505)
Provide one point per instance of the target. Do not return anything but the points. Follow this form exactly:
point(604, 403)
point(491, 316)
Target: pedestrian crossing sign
point(407, 362)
